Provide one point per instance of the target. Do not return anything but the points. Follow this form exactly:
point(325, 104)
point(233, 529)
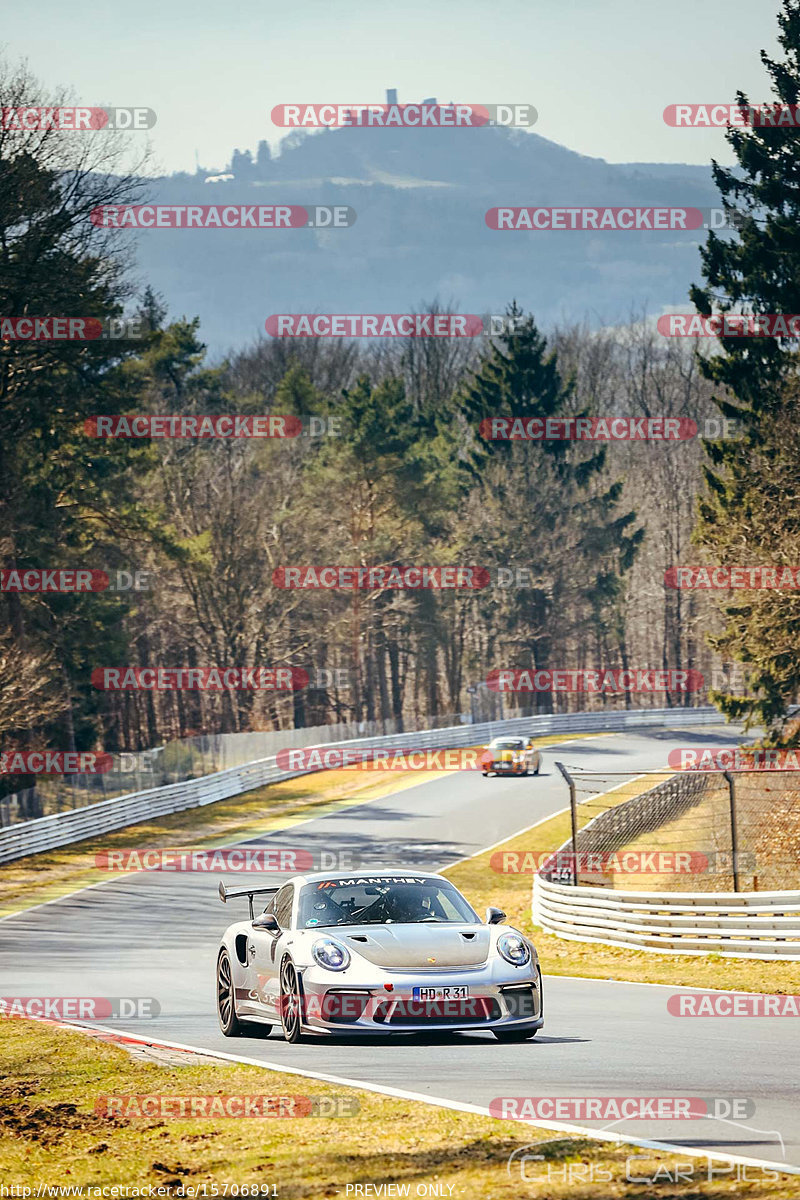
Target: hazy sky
point(600, 72)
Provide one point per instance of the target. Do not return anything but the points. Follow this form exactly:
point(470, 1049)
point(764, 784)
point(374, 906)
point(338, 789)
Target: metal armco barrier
point(763, 925)
point(60, 829)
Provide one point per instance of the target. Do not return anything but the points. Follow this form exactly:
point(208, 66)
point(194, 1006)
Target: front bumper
point(498, 999)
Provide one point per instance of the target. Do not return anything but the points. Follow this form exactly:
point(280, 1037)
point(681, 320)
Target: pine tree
point(548, 507)
point(744, 518)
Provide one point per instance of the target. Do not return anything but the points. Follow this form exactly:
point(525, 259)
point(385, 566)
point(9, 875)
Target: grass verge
point(53, 1135)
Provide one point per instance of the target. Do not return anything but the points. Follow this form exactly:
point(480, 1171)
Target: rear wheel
point(229, 1023)
point(291, 1012)
point(226, 1009)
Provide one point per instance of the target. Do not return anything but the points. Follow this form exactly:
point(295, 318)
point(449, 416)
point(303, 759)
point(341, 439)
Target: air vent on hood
point(468, 936)
point(358, 937)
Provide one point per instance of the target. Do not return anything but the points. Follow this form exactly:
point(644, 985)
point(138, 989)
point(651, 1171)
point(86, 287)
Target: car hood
point(426, 945)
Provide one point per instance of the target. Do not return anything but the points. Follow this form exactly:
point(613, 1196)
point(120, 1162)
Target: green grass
point(53, 1135)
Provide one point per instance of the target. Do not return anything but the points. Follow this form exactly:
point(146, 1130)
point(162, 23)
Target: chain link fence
point(695, 831)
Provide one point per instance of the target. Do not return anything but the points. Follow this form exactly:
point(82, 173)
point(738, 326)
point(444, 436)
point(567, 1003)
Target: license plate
point(451, 992)
point(502, 766)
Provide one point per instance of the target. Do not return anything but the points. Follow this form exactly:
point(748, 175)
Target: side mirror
point(494, 916)
point(268, 922)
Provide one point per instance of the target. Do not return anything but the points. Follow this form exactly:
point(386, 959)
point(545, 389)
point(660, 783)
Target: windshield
point(381, 900)
point(506, 744)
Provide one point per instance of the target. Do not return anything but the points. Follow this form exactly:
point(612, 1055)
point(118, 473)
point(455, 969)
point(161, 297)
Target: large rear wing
point(226, 893)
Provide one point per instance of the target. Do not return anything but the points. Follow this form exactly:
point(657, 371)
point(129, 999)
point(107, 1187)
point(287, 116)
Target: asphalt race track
point(156, 934)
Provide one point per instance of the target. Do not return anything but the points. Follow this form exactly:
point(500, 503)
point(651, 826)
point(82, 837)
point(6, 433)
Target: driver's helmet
point(412, 904)
point(325, 910)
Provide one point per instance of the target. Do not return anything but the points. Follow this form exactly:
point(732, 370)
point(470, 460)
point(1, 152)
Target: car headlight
point(331, 955)
point(514, 949)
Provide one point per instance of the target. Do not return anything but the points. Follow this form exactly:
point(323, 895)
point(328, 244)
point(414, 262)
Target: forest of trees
point(407, 481)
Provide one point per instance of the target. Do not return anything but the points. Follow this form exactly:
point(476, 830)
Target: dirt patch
point(46, 1124)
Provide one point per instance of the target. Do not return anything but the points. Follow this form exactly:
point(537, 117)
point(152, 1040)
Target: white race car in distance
point(380, 952)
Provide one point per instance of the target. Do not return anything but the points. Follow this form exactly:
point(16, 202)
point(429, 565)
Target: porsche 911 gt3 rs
point(387, 951)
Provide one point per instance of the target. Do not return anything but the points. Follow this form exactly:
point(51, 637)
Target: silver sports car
point(386, 951)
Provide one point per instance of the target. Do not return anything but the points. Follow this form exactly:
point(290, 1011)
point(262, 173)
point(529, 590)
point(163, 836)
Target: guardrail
point(764, 925)
point(60, 829)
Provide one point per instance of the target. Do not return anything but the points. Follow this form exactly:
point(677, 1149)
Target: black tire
point(536, 772)
point(291, 1003)
point(226, 1001)
point(485, 774)
point(514, 1035)
point(229, 1023)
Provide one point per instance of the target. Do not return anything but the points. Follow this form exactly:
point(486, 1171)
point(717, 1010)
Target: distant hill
point(421, 197)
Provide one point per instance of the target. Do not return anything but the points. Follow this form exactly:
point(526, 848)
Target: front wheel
point(291, 1011)
point(514, 1035)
